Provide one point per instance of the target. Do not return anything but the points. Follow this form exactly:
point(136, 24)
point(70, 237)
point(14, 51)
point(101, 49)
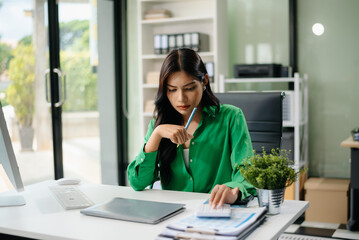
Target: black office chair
point(263, 113)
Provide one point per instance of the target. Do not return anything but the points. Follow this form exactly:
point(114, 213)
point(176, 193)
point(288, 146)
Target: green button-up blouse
point(219, 145)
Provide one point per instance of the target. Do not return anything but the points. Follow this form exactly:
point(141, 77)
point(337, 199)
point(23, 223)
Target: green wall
point(332, 63)
point(258, 33)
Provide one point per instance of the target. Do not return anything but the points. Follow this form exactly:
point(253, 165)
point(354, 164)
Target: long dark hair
point(187, 60)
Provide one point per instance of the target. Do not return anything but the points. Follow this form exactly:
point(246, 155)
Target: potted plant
point(270, 174)
point(20, 93)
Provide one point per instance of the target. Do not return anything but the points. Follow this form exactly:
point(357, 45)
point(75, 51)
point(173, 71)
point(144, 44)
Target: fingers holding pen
point(184, 136)
point(177, 134)
point(181, 135)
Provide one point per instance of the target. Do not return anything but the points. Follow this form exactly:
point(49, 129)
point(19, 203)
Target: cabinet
point(203, 16)
point(295, 118)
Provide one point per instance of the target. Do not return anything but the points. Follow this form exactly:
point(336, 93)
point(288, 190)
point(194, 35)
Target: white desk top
point(44, 218)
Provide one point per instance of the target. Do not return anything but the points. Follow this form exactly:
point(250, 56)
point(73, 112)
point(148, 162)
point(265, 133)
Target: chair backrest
point(263, 113)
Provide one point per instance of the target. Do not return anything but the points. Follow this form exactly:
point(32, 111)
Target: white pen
point(189, 119)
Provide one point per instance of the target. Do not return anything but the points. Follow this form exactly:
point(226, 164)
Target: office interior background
point(87, 52)
point(330, 60)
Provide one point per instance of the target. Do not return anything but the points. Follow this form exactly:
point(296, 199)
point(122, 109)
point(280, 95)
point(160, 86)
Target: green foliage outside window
point(5, 56)
point(20, 93)
point(81, 82)
point(74, 35)
point(81, 85)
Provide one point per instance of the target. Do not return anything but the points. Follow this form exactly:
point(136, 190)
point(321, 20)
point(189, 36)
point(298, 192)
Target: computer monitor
point(9, 163)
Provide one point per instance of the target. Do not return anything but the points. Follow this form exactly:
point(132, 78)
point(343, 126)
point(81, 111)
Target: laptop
point(135, 210)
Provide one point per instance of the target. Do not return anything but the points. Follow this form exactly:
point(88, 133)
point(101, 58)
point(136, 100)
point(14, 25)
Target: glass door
point(67, 130)
point(80, 116)
point(23, 61)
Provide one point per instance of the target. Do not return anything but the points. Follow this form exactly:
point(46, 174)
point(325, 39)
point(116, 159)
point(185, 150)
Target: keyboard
point(205, 210)
point(70, 197)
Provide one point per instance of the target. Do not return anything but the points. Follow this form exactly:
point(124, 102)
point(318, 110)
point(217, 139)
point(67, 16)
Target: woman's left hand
point(221, 194)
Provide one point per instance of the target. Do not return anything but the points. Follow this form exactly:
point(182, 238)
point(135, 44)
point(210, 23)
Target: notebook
point(135, 210)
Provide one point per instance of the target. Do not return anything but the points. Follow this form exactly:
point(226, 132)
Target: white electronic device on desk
point(70, 197)
point(9, 171)
point(205, 210)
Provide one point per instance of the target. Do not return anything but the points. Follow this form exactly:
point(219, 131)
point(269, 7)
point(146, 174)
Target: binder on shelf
point(210, 71)
point(171, 42)
point(187, 40)
point(179, 41)
point(242, 222)
point(199, 42)
point(164, 43)
point(157, 43)
point(288, 107)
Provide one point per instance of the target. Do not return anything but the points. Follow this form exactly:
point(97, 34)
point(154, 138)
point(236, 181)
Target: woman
point(210, 150)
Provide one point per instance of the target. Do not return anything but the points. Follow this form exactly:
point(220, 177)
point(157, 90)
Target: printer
point(257, 70)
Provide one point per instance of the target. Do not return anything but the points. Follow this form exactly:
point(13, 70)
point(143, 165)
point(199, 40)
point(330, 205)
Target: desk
point(43, 217)
point(353, 221)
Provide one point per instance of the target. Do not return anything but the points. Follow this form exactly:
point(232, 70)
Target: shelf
point(147, 114)
point(203, 16)
point(150, 86)
point(176, 20)
point(288, 124)
point(296, 107)
point(161, 1)
point(292, 124)
point(163, 56)
point(259, 80)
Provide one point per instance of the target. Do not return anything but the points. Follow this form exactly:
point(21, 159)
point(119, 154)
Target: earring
point(204, 88)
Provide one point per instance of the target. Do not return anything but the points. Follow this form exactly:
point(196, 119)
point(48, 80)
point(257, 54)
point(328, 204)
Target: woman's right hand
point(177, 134)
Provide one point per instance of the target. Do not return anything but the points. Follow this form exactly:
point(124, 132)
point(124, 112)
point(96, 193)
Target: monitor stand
point(8, 201)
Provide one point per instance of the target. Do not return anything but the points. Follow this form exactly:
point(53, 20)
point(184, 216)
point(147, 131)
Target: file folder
point(157, 43)
point(187, 40)
point(242, 222)
point(179, 41)
point(171, 42)
point(164, 43)
point(175, 234)
point(199, 42)
point(210, 71)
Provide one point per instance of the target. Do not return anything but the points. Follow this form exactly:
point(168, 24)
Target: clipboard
point(135, 210)
point(242, 222)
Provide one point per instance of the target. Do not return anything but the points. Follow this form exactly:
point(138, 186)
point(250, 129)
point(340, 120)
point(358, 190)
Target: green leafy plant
point(20, 93)
point(82, 90)
point(270, 171)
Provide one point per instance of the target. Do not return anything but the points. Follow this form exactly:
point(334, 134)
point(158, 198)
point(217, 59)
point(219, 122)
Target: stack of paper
point(242, 222)
point(157, 14)
point(149, 106)
point(152, 77)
